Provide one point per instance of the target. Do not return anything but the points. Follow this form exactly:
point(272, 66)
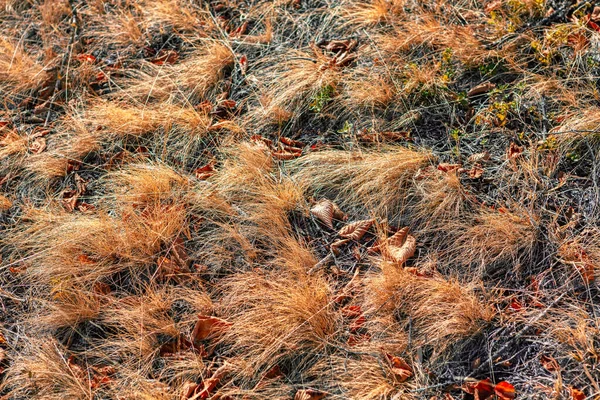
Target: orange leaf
point(357, 324)
point(86, 57)
point(291, 142)
point(482, 389)
point(577, 394)
point(400, 254)
point(356, 230)
point(211, 383)
point(207, 327)
point(400, 368)
point(445, 167)
point(309, 394)
point(505, 391)
point(284, 155)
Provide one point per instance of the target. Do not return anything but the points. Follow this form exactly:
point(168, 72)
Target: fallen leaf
point(204, 172)
point(357, 324)
point(479, 157)
point(401, 253)
point(577, 394)
point(86, 57)
point(37, 145)
point(549, 363)
point(504, 390)
point(309, 394)
point(476, 172)
point(285, 155)
point(211, 383)
point(400, 368)
point(243, 64)
point(481, 389)
point(165, 57)
point(335, 246)
point(291, 142)
point(323, 210)
point(445, 167)
point(480, 89)
point(207, 327)
point(351, 311)
point(356, 230)
point(513, 151)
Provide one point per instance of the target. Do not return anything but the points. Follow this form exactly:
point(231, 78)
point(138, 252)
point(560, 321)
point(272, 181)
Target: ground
point(299, 199)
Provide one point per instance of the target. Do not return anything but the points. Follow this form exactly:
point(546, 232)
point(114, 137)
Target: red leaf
point(86, 57)
point(400, 368)
point(577, 394)
point(505, 391)
point(445, 167)
point(483, 388)
point(291, 142)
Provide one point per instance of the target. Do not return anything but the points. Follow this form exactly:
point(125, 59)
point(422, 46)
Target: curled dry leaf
point(513, 151)
point(207, 327)
point(204, 172)
point(291, 142)
point(335, 246)
point(356, 230)
point(323, 210)
point(211, 383)
point(476, 172)
point(445, 167)
point(479, 157)
point(549, 363)
point(37, 145)
point(482, 389)
point(480, 89)
point(576, 394)
point(504, 391)
point(401, 253)
point(400, 368)
point(309, 394)
point(285, 155)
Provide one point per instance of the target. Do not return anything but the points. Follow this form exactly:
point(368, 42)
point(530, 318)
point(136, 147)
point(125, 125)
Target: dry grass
point(375, 181)
point(159, 161)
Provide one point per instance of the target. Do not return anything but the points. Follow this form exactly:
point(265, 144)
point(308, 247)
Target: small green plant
point(322, 98)
point(347, 128)
point(447, 66)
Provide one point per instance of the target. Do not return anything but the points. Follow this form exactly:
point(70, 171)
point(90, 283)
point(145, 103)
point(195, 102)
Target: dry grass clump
point(441, 311)
point(368, 14)
point(440, 199)
point(18, 71)
point(494, 236)
point(42, 370)
point(377, 181)
point(363, 378)
point(289, 87)
point(278, 318)
point(188, 81)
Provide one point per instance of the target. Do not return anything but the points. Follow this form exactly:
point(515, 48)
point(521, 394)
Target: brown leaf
point(513, 151)
point(505, 391)
point(400, 254)
point(211, 383)
point(204, 172)
point(480, 89)
point(476, 172)
point(549, 363)
point(37, 145)
point(479, 157)
point(481, 389)
point(165, 57)
point(285, 155)
point(445, 167)
point(309, 394)
point(577, 394)
point(323, 211)
point(400, 368)
point(356, 230)
point(335, 246)
point(188, 390)
point(207, 327)
point(291, 142)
